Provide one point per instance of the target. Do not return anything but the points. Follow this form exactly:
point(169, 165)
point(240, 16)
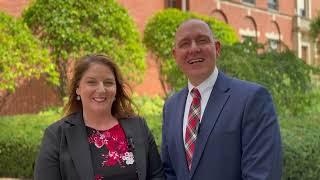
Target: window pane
point(249, 1)
point(304, 53)
point(274, 45)
point(302, 4)
point(272, 4)
point(174, 4)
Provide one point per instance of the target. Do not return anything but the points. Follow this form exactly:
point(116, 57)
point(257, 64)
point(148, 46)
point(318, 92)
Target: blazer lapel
point(138, 146)
point(218, 97)
point(78, 147)
point(179, 123)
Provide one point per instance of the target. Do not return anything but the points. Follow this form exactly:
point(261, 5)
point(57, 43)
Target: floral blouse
point(110, 154)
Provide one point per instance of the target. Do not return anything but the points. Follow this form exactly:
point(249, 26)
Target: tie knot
point(195, 93)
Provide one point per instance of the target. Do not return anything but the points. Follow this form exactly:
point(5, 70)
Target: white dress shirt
point(205, 89)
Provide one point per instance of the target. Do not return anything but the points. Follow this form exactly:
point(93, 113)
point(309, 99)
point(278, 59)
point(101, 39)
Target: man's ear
point(217, 45)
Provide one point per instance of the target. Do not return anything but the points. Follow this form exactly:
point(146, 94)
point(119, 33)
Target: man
point(217, 128)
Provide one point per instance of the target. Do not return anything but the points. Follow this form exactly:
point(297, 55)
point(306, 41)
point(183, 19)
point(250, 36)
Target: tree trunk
point(62, 69)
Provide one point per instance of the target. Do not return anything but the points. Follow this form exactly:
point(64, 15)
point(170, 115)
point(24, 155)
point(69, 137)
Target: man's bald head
point(194, 21)
point(196, 50)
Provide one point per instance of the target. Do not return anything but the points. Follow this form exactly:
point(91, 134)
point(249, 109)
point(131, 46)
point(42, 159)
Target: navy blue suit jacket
point(238, 138)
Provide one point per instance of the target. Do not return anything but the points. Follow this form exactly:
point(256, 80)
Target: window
point(249, 38)
point(302, 8)
point(178, 4)
point(249, 1)
point(272, 4)
point(304, 53)
point(274, 45)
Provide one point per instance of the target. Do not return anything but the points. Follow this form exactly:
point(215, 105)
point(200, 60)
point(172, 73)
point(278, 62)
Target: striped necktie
point(192, 125)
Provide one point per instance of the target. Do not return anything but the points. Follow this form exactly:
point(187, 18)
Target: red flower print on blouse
point(115, 141)
point(99, 177)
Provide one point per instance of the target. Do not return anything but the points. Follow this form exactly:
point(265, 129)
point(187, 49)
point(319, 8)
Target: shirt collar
point(206, 84)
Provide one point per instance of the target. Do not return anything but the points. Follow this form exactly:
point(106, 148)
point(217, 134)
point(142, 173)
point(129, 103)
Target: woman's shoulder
point(64, 121)
point(134, 122)
point(131, 120)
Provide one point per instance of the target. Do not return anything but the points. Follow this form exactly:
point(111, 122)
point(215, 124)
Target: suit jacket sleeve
point(154, 166)
point(47, 163)
point(168, 169)
point(261, 141)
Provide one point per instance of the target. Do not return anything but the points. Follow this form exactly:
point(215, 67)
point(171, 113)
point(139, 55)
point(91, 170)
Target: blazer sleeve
point(47, 163)
point(154, 164)
point(168, 169)
point(261, 140)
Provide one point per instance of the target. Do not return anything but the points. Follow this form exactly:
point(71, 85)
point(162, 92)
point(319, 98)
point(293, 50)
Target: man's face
point(195, 50)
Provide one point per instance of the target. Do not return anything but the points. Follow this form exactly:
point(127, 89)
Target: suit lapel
point(78, 147)
point(179, 123)
point(132, 131)
point(218, 97)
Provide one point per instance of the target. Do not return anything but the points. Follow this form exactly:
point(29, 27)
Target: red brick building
point(266, 21)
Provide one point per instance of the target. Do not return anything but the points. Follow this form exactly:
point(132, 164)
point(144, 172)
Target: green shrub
point(21, 55)
point(20, 137)
point(151, 109)
point(315, 27)
point(159, 38)
point(285, 75)
point(75, 28)
point(301, 144)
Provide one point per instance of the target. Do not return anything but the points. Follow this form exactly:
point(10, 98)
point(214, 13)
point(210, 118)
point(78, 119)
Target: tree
point(74, 28)
point(21, 55)
point(315, 27)
point(159, 38)
point(285, 75)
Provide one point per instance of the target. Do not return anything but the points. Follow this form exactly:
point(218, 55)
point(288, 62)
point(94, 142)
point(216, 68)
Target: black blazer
point(65, 153)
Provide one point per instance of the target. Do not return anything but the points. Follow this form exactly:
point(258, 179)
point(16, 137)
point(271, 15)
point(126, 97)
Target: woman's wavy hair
point(122, 107)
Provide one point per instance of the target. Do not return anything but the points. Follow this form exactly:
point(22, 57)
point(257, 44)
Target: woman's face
point(97, 89)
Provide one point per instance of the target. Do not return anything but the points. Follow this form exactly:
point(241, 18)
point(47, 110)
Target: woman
point(100, 137)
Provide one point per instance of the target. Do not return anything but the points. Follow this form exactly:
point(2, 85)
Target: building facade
point(265, 21)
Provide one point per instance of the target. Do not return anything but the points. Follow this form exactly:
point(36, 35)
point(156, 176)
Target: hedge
point(283, 73)
point(21, 136)
point(301, 147)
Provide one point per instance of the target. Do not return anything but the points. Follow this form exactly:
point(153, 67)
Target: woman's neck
point(99, 121)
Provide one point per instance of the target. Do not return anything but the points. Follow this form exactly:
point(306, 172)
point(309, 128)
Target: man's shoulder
point(247, 88)
point(174, 97)
point(245, 84)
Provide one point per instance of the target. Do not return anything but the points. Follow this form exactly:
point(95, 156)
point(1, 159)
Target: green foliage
point(74, 28)
point(151, 109)
point(159, 38)
point(301, 144)
point(20, 137)
point(283, 73)
point(21, 56)
point(315, 27)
